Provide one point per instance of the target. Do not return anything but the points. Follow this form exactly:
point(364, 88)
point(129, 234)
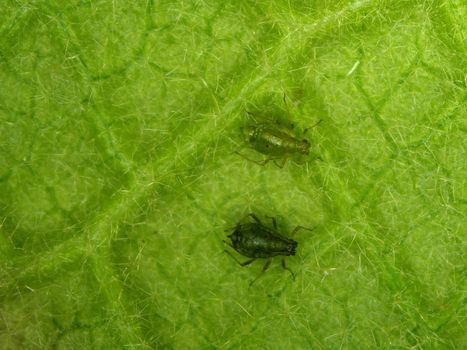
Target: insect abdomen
point(255, 241)
point(274, 142)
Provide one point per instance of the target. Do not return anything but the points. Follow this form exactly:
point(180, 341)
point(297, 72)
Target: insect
point(276, 141)
point(255, 240)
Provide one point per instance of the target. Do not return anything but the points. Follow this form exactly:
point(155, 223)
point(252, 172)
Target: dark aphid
point(255, 240)
point(275, 141)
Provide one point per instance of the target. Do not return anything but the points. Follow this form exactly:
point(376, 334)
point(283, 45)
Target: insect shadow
point(275, 140)
point(258, 241)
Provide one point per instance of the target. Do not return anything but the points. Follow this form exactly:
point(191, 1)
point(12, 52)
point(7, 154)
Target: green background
point(118, 123)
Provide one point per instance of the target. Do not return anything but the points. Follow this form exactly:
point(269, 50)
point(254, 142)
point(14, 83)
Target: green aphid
point(276, 141)
point(255, 240)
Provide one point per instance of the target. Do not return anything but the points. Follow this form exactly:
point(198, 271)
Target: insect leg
point(245, 263)
point(228, 243)
point(300, 228)
point(318, 158)
point(287, 108)
point(288, 269)
point(281, 165)
point(265, 267)
point(274, 222)
point(262, 163)
point(255, 218)
point(311, 127)
point(252, 116)
point(248, 262)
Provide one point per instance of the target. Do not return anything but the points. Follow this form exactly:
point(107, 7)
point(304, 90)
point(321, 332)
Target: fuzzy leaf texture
point(118, 126)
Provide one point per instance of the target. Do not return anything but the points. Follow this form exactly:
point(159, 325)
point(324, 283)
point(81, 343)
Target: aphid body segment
point(275, 141)
point(255, 240)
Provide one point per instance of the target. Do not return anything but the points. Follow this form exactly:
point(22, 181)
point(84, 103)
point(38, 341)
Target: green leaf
point(118, 178)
